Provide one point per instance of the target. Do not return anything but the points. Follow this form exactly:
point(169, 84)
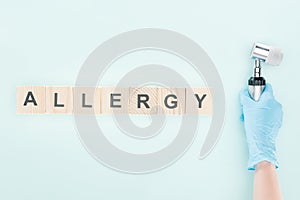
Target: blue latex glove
point(262, 121)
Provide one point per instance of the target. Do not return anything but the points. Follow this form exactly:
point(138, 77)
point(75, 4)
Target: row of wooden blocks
point(108, 100)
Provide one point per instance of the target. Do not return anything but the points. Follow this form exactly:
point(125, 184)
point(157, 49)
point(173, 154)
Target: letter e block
point(114, 100)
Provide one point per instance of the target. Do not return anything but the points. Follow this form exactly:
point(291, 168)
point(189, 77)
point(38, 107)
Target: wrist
point(264, 165)
point(262, 156)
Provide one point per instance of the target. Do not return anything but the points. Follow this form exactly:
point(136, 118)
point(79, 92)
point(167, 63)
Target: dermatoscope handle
point(256, 83)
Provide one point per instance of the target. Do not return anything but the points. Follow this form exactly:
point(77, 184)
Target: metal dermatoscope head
point(269, 54)
point(262, 53)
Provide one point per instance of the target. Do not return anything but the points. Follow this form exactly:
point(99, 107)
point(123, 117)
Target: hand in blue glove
point(262, 121)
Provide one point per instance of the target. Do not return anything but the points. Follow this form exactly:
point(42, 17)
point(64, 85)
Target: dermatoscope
point(262, 53)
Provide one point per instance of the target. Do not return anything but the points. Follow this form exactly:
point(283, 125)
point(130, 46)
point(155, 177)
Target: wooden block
point(114, 100)
point(199, 101)
point(171, 100)
point(86, 100)
point(30, 99)
point(143, 100)
point(59, 100)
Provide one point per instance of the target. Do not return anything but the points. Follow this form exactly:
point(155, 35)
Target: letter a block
point(30, 100)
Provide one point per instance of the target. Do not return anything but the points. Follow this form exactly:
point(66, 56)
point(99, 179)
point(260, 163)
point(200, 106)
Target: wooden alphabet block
point(59, 100)
point(86, 100)
point(109, 100)
point(30, 99)
point(114, 100)
point(171, 100)
point(143, 100)
point(199, 101)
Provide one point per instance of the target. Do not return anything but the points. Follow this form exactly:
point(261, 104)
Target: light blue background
point(42, 43)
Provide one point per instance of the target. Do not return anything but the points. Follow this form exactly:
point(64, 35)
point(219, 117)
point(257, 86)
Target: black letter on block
point(173, 102)
point(32, 100)
point(83, 102)
point(55, 101)
point(200, 100)
point(143, 101)
point(112, 100)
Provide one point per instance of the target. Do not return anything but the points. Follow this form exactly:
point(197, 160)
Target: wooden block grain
point(86, 100)
point(143, 100)
point(30, 100)
point(59, 100)
point(171, 100)
point(199, 101)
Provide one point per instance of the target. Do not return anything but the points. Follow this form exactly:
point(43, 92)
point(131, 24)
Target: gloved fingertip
point(268, 89)
point(244, 94)
point(267, 93)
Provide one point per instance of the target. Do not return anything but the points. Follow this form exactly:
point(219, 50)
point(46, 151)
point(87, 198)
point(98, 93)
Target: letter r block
point(143, 100)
